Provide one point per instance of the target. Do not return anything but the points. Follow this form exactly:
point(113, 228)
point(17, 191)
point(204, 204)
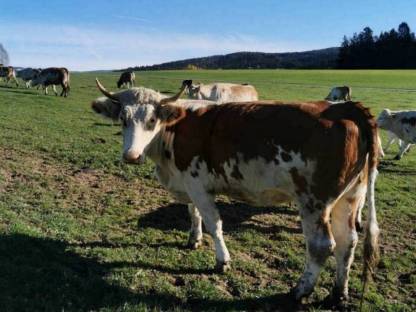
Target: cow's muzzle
point(132, 157)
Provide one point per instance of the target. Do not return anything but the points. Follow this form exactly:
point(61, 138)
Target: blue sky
point(93, 34)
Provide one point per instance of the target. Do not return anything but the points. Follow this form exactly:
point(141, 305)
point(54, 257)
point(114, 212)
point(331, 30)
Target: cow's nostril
point(131, 157)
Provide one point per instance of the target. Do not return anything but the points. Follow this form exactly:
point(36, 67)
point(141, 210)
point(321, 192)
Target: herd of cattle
point(322, 155)
point(33, 77)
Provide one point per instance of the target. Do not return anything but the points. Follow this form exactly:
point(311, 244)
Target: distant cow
point(322, 156)
point(27, 75)
point(221, 92)
point(339, 94)
point(401, 124)
point(127, 78)
point(8, 73)
point(53, 76)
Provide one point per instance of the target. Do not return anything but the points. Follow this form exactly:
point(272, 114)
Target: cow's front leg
point(54, 90)
point(213, 223)
point(195, 235)
point(46, 90)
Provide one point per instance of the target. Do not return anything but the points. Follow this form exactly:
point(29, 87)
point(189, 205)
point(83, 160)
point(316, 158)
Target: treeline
point(391, 49)
point(325, 58)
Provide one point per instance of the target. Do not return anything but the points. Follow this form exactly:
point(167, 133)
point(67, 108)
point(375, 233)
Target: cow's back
point(229, 92)
point(277, 138)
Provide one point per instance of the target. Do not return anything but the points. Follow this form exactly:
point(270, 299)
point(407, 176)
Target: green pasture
point(81, 231)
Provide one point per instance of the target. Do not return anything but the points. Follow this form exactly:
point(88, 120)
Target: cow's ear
point(107, 107)
point(170, 114)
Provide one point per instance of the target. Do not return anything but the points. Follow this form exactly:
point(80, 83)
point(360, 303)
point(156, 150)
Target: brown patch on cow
point(286, 157)
point(217, 133)
point(299, 181)
point(170, 114)
point(236, 173)
point(411, 121)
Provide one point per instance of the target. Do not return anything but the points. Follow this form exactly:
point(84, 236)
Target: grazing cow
point(8, 73)
point(339, 94)
point(400, 124)
point(126, 78)
point(221, 92)
point(322, 156)
point(53, 76)
point(27, 75)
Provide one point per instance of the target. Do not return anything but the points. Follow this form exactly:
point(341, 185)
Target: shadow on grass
point(18, 90)
point(38, 274)
point(390, 166)
point(175, 216)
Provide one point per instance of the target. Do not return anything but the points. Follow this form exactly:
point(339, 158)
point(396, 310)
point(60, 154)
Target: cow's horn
point(175, 97)
point(104, 91)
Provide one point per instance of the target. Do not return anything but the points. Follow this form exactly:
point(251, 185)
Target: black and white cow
point(127, 78)
point(53, 76)
point(28, 74)
point(399, 125)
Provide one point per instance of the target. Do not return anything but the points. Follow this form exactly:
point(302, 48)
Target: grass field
point(80, 230)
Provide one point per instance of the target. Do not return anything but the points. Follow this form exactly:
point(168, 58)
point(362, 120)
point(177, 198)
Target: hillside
point(324, 58)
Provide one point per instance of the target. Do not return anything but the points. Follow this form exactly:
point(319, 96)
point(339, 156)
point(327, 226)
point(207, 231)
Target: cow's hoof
point(222, 267)
point(339, 297)
point(358, 226)
point(192, 244)
point(397, 157)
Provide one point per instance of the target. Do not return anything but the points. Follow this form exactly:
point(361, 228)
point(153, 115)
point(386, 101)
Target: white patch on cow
point(140, 127)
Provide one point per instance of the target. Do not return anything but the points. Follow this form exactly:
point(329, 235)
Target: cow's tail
point(371, 247)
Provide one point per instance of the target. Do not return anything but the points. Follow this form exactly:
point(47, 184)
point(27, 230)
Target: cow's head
point(384, 118)
point(191, 89)
point(142, 112)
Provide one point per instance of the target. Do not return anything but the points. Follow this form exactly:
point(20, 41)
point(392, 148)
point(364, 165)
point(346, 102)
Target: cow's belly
point(268, 197)
point(173, 184)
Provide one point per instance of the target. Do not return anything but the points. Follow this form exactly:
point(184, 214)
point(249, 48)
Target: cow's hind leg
point(54, 90)
point(403, 149)
point(213, 223)
point(344, 231)
point(319, 245)
point(195, 235)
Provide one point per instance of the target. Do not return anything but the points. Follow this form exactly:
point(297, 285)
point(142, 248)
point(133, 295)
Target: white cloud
point(81, 48)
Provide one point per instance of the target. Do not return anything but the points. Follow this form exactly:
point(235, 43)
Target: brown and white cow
point(126, 78)
point(264, 153)
point(8, 73)
point(339, 94)
point(221, 92)
point(401, 125)
point(53, 76)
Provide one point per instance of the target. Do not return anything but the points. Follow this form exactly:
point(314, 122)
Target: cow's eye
point(152, 120)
